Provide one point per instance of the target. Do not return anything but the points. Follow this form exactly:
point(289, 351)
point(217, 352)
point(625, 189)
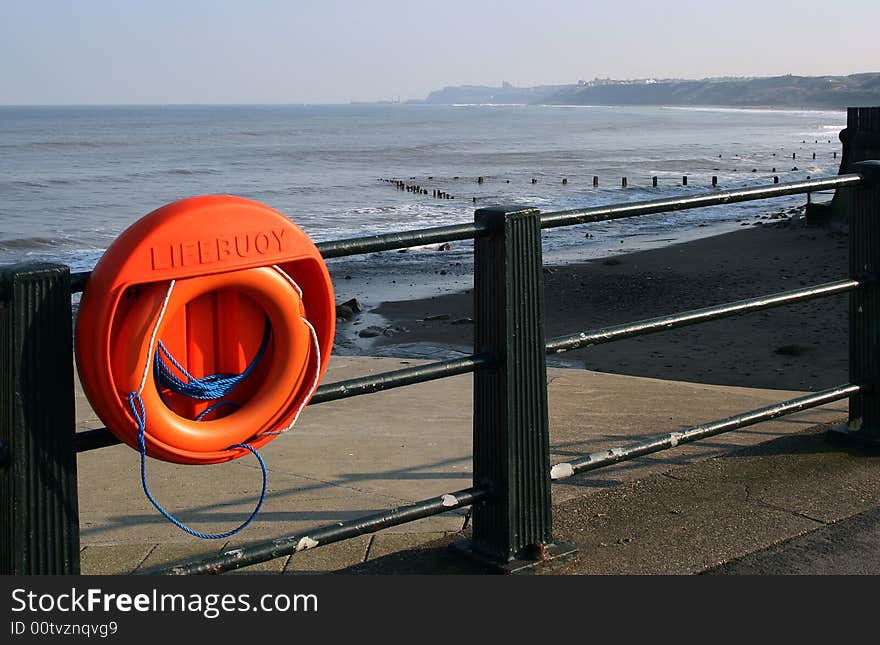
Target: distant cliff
point(779, 91)
point(506, 94)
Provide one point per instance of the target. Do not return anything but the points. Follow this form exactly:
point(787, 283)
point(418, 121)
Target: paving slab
point(330, 557)
point(386, 542)
point(114, 559)
point(844, 548)
point(166, 554)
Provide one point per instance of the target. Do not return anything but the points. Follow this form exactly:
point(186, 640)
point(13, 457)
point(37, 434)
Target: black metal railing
point(512, 473)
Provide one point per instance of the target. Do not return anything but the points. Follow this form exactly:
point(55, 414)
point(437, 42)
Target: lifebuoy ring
point(217, 279)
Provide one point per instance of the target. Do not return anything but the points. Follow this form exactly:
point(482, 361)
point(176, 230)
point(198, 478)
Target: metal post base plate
point(548, 552)
point(853, 431)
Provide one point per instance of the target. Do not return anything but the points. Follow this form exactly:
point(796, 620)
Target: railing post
point(864, 304)
point(39, 519)
point(511, 429)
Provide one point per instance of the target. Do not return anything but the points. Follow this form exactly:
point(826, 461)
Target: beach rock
point(354, 305)
point(436, 317)
point(371, 332)
point(344, 313)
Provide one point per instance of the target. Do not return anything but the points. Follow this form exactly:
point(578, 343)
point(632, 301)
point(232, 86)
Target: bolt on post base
point(531, 557)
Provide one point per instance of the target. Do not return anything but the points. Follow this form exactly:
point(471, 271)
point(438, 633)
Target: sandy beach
point(797, 347)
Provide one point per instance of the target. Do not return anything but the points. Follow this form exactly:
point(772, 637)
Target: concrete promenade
point(680, 511)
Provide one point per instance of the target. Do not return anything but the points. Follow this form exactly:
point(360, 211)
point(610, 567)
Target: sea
point(72, 178)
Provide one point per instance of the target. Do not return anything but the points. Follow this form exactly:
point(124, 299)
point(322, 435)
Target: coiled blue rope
point(211, 387)
point(207, 388)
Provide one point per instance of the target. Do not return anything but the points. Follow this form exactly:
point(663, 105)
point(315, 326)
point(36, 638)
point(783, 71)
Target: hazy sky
point(330, 51)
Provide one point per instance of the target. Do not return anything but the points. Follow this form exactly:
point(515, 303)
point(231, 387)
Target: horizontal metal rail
point(102, 437)
point(695, 316)
point(401, 240)
point(405, 239)
point(278, 547)
point(621, 211)
point(400, 378)
point(671, 440)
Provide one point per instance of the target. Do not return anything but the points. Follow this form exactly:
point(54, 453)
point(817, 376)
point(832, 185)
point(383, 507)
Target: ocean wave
point(59, 145)
point(600, 107)
point(187, 171)
point(24, 183)
point(125, 177)
point(459, 105)
point(754, 110)
point(29, 243)
point(38, 183)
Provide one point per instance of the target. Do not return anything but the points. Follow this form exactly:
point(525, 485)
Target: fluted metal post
point(39, 519)
point(864, 312)
point(511, 428)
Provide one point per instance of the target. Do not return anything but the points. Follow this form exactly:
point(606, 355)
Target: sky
point(336, 51)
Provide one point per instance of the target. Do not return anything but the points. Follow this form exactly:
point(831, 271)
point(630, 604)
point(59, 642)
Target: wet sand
point(797, 347)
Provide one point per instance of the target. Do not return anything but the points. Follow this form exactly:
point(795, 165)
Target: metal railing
point(512, 473)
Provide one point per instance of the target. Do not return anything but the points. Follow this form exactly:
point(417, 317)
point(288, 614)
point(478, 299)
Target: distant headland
point(812, 92)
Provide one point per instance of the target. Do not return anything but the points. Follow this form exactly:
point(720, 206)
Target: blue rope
point(207, 388)
point(140, 414)
point(211, 408)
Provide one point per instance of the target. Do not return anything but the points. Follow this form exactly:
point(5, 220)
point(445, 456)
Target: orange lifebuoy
point(204, 275)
